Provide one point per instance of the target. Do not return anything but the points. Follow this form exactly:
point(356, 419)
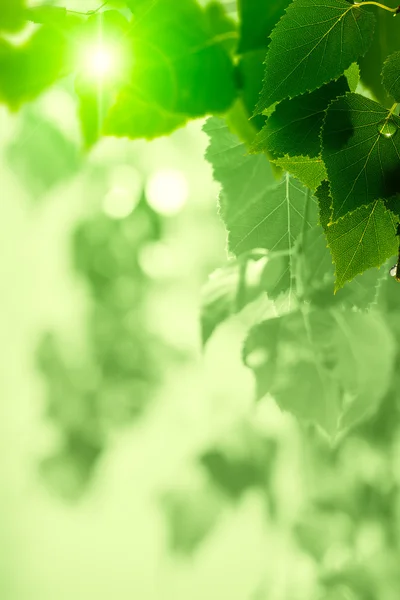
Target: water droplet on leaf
point(387, 128)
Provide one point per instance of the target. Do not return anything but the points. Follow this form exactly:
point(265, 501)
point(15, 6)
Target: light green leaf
point(241, 281)
point(352, 75)
point(322, 366)
point(315, 42)
point(391, 75)
point(12, 15)
point(259, 212)
point(47, 15)
point(310, 171)
point(29, 69)
point(361, 152)
point(294, 126)
point(360, 240)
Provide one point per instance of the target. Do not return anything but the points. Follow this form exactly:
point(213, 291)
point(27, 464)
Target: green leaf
point(352, 75)
point(231, 288)
point(28, 70)
point(257, 20)
point(316, 271)
point(360, 240)
point(12, 15)
point(259, 212)
point(294, 126)
point(47, 15)
point(40, 155)
point(391, 75)
point(315, 42)
point(361, 152)
point(180, 70)
point(322, 366)
point(310, 171)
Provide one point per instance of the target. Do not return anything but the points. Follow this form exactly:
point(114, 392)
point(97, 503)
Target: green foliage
point(314, 130)
point(180, 71)
point(313, 43)
point(294, 126)
point(28, 70)
point(259, 212)
point(11, 15)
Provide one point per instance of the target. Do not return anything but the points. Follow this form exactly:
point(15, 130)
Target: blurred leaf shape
point(257, 20)
point(41, 155)
point(321, 365)
point(241, 281)
point(12, 15)
point(29, 69)
point(244, 460)
point(191, 516)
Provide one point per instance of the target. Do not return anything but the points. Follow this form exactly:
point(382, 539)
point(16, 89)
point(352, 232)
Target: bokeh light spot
point(101, 61)
point(167, 191)
point(125, 188)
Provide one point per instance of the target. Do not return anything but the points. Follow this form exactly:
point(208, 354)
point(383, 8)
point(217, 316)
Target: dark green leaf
point(294, 126)
point(315, 42)
point(360, 240)
point(361, 151)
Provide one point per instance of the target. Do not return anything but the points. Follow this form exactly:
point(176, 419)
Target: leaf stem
point(393, 10)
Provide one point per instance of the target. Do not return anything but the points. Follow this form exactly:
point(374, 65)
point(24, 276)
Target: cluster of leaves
point(308, 162)
point(318, 181)
point(174, 59)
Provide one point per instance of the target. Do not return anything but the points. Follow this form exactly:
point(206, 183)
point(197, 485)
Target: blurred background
point(133, 463)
